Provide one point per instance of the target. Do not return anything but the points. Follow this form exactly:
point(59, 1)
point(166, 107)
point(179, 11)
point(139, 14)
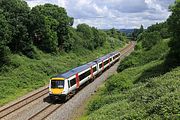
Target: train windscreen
point(57, 83)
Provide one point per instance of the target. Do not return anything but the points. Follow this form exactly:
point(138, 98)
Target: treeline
point(46, 27)
point(152, 34)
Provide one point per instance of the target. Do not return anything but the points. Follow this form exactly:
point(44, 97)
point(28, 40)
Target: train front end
point(57, 89)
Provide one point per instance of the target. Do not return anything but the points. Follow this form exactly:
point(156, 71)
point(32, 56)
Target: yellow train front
point(58, 88)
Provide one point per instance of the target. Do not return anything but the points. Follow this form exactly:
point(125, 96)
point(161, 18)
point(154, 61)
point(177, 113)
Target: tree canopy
point(49, 27)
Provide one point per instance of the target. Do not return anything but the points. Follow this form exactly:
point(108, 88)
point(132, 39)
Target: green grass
point(24, 75)
point(145, 90)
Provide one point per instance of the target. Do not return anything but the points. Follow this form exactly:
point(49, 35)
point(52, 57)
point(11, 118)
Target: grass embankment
point(146, 90)
point(26, 74)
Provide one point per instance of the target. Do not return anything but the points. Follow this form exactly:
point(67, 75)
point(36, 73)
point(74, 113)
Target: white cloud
point(33, 3)
point(113, 13)
point(62, 3)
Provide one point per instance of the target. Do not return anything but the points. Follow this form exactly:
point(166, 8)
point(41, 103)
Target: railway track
point(16, 106)
point(45, 112)
point(127, 50)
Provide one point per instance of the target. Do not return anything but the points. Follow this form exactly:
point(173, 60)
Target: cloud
point(127, 6)
point(113, 13)
point(33, 3)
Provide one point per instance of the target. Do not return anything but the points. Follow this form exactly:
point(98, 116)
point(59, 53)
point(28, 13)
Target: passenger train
point(63, 86)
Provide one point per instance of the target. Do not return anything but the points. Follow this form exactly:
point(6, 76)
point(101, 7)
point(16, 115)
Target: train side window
point(81, 77)
point(115, 56)
point(88, 73)
point(94, 69)
point(73, 81)
point(68, 83)
point(100, 65)
point(106, 62)
point(84, 75)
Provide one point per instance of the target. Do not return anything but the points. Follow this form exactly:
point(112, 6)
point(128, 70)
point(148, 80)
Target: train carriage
point(66, 84)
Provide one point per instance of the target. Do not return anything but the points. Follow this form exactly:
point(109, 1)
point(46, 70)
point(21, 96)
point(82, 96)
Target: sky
point(106, 14)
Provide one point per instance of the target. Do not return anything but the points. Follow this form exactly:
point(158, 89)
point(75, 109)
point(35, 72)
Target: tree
point(137, 32)
point(86, 34)
point(5, 33)
point(5, 37)
point(162, 28)
point(173, 21)
point(113, 33)
point(46, 20)
point(17, 15)
point(99, 37)
point(50, 40)
point(141, 29)
point(149, 39)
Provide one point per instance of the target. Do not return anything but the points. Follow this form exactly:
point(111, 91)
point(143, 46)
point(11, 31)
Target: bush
point(150, 39)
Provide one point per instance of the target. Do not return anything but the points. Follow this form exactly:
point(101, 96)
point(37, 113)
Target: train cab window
point(57, 84)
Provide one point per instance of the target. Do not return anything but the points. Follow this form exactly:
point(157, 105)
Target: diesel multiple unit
point(67, 84)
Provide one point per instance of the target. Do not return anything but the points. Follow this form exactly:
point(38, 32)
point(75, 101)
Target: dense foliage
point(162, 28)
point(49, 27)
point(153, 34)
point(137, 32)
point(15, 14)
point(5, 35)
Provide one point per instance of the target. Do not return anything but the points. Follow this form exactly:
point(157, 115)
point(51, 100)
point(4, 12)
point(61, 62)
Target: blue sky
point(106, 14)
